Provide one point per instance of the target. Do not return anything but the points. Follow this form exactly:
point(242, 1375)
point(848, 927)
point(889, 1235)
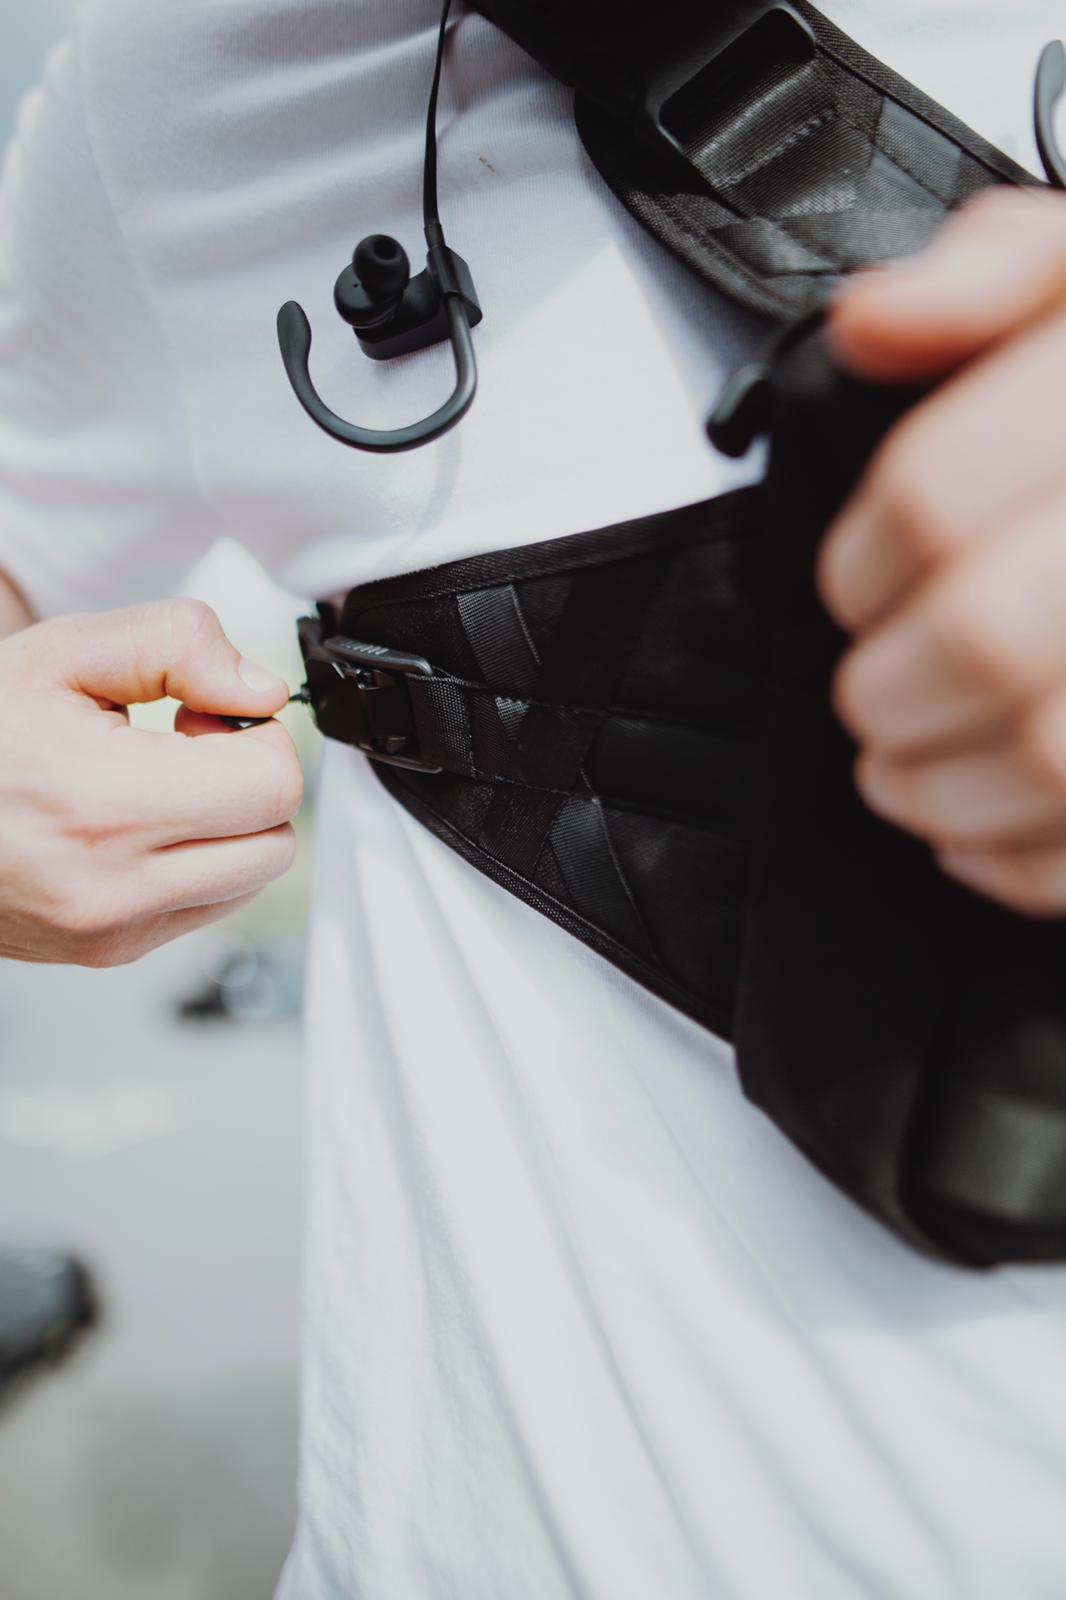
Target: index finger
point(999, 264)
point(207, 785)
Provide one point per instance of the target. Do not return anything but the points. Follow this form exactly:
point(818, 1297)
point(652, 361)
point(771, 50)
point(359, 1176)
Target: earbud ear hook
point(392, 314)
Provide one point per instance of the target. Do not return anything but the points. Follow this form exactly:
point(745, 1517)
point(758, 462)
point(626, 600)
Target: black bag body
point(906, 1034)
point(630, 728)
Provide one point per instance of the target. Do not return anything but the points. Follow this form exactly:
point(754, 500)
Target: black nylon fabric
point(909, 1036)
point(596, 761)
point(796, 171)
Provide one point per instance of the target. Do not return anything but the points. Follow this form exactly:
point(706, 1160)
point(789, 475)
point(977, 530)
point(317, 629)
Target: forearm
point(14, 612)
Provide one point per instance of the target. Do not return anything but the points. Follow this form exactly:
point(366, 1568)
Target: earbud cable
point(430, 211)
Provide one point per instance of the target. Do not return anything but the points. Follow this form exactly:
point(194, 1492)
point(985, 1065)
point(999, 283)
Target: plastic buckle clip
point(359, 695)
point(693, 62)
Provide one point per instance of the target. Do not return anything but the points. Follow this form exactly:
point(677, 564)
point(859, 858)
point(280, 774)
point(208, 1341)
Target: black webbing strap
point(580, 731)
point(755, 140)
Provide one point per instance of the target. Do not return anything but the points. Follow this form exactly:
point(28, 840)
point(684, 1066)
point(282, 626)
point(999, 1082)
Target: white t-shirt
point(579, 1321)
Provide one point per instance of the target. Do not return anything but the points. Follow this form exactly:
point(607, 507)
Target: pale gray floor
point(160, 1464)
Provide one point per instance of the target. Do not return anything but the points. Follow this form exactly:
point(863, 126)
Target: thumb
point(997, 266)
point(172, 648)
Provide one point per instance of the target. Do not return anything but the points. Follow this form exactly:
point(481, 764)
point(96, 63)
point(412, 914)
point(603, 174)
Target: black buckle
point(647, 62)
point(359, 695)
point(694, 60)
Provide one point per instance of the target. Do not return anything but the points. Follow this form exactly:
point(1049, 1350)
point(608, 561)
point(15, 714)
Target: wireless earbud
point(395, 314)
point(381, 265)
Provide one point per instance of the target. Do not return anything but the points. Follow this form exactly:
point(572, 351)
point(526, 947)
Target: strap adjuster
point(714, 45)
point(646, 65)
point(359, 695)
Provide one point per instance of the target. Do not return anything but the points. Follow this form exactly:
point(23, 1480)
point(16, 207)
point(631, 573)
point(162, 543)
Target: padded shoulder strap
point(754, 139)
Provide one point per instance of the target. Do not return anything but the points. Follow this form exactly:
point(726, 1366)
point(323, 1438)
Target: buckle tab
point(359, 695)
point(700, 59)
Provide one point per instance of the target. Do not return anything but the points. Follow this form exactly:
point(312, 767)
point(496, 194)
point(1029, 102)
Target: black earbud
point(392, 314)
point(382, 266)
point(395, 314)
point(367, 293)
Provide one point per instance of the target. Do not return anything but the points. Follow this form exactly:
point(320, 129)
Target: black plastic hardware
point(430, 311)
point(640, 62)
point(359, 695)
point(413, 319)
point(743, 410)
point(729, 41)
point(240, 723)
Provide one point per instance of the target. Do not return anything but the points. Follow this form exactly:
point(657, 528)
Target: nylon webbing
point(571, 769)
point(794, 172)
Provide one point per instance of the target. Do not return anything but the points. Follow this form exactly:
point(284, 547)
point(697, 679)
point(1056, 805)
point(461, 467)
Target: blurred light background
point(150, 1122)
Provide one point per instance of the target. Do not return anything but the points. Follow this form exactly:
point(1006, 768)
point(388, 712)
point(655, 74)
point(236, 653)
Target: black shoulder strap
point(754, 139)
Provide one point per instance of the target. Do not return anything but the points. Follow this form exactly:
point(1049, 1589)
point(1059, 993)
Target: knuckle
point(274, 854)
point(187, 621)
point(90, 820)
point(1042, 746)
point(293, 788)
point(846, 694)
point(831, 579)
point(966, 620)
point(285, 848)
point(283, 793)
point(283, 781)
point(71, 915)
point(104, 952)
point(84, 916)
point(906, 479)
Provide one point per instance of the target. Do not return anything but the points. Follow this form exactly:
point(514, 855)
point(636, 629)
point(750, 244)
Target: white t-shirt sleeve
point(99, 499)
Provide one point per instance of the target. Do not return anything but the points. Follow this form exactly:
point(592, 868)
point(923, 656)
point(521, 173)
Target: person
point(578, 1320)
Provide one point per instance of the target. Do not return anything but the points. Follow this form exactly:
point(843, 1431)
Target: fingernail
point(258, 679)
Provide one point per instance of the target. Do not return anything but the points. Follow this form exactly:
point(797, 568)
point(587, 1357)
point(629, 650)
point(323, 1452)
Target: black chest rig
point(630, 729)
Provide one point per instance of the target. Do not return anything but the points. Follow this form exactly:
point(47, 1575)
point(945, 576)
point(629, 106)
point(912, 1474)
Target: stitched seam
point(522, 623)
point(733, 263)
point(725, 535)
point(599, 712)
point(779, 226)
point(892, 159)
point(816, 120)
point(856, 71)
point(616, 801)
